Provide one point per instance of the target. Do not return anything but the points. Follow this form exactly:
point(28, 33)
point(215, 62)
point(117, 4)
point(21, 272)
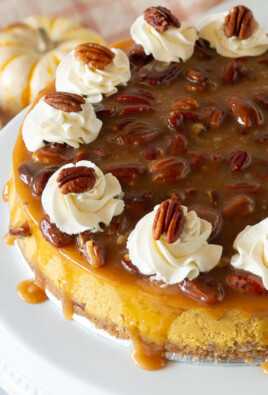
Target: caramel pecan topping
point(68, 102)
point(76, 179)
point(160, 18)
point(94, 55)
point(169, 219)
point(54, 235)
point(239, 22)
point(94, 253)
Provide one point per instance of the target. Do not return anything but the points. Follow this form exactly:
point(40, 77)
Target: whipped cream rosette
point(234, 34)
point(93, 70)
point(163, 36)
point(252, 247)
point(173, 259)
point(60, 117)
point(80, 197)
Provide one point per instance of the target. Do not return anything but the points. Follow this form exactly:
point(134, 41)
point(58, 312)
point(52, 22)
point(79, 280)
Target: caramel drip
point(264, 367)
point(5, 193)
point(9, 240)
point(67, 307)
point(147, 356)
point(30, 292)
point(67, 303)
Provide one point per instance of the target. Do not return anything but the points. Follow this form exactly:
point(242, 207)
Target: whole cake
point(138, 192)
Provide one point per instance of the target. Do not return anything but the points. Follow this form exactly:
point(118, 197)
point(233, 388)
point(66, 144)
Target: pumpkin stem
point(45, 44)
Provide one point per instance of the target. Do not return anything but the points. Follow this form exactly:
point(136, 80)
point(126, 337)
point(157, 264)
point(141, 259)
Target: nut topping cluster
point(169, 219)
point(76, 179)
point(192, 132)
point(68, 102)
point(239, 22)
point(160, 18)
point(94, 55)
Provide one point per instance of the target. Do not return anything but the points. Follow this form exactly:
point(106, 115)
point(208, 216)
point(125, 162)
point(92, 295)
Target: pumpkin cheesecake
point(138, 191)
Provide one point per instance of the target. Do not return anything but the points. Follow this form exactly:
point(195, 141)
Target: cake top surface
point(160, 148)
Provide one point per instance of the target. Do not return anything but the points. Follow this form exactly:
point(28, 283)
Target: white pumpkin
point(30, 53)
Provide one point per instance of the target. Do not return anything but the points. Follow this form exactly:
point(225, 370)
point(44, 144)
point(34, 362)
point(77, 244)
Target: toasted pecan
point(94, 55)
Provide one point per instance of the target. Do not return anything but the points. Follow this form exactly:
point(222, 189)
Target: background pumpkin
point(30, 53)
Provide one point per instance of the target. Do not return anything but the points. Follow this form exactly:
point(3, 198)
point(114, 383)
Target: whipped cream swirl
point(46, 123)
point(77, 212)
point(211, 29)
point(173, 45)
point(172, 263)
point(76, 77)
point(252, 247)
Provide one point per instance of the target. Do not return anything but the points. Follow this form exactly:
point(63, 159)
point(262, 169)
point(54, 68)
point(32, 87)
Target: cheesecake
point(138, 190)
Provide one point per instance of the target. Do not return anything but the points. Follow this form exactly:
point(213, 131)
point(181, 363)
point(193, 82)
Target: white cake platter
point(41, 353)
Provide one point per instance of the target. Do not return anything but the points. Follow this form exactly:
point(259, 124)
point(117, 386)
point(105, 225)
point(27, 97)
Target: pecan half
point(245, 112)
point(104, 111)
point(20, 230)
point(128, 265)
point(239, 160)
point(246, 187)
point(247, 283)
point(94, 55)
point(169, 218)
point(160, 18)
point(238, 207)
point(40, 180)
point(177, 145)
point(49, 155)
point(125, 172)
point(169, 169)
point(201, 49)
point(233, 71)
point(185, 104)
point(213, 116)
point(136, 52)
point(197, 80)
point(68, 102)
point(262, 98)
point(134, 96)
point(239, 22)
point(211, 215)
point(203, 290)
point(94, 253)
point(176, 119)
point(156, 73)
point(134, 131)
point(77, 179)
point(26, 173)
point(54, 235)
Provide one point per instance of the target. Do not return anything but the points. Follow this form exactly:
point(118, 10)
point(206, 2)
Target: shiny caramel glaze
point(264, 367)
point(218, 141)
point(30, 292)
point(5, 193)
point(145, 355)
point(9, 240)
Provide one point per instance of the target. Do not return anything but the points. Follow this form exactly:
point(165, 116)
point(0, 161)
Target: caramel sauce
point(264, 367)
point(9, 240)
point(30, 292)
point(113, 271)
point(147, 356)
point(67, 307)
point(5, 193)
point(67, 303)
point(169, 300)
